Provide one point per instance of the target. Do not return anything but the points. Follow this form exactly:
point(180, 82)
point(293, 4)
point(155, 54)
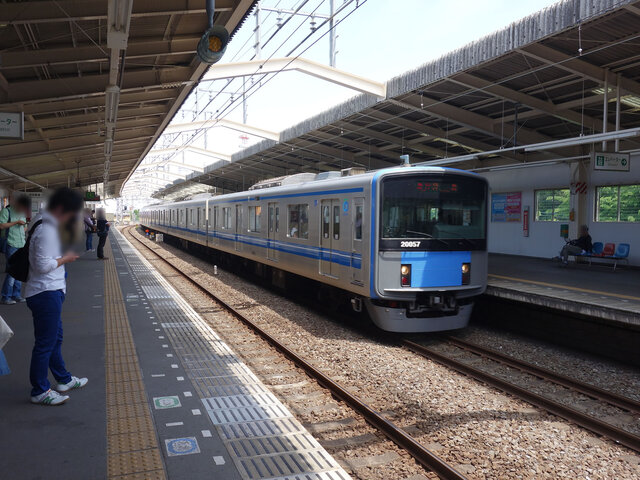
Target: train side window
point(254, 218)
point(271, 219)
point(336, 222)
point(299, 221)
point(326, 220)
point(304, 221)
point(294, 220)
point(277, 219)
point(358, 223)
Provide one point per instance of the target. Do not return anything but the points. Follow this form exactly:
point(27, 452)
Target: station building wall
point(544, 238)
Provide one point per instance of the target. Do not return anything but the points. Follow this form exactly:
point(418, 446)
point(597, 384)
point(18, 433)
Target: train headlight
point(405, 275)
point(466, 273)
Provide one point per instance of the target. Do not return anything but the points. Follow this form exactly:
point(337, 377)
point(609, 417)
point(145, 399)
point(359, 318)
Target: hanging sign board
point(613, 161)
point(12, 125)
point(506, 207)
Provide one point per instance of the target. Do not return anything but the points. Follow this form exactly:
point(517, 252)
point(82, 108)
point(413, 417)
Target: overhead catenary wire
point(629, 40)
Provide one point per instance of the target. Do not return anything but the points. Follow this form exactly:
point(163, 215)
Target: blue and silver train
point(407, 243)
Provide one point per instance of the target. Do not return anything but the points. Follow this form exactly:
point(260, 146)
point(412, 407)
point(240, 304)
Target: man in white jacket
point(45, 291)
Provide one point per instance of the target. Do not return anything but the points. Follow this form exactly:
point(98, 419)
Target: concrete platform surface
point(594, 291)
point(166, 398)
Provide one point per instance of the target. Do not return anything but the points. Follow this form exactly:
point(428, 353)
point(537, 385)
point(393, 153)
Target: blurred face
point(584, 232)
point(21, 208)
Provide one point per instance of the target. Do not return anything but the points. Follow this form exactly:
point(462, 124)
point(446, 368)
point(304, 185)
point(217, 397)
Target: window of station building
point(254, 218)
point(553, 205)
point(618, 203)
point(226, 217)
point(299, 221)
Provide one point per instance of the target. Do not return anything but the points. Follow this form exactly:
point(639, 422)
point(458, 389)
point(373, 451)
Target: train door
point(274, 227)
point(329, 236)
point(214, 225)
point(356, 240)
point(238, 227)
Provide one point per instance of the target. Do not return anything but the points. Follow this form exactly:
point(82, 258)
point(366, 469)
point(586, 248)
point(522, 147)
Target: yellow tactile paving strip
point(132, 446)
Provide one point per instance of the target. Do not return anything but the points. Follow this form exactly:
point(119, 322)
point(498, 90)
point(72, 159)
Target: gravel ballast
point(480, 431)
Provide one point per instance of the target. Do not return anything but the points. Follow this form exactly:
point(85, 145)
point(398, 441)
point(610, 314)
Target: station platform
point(166, 398)
point(595, 292)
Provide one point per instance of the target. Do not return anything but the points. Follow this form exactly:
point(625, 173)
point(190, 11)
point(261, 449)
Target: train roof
point(292, 183)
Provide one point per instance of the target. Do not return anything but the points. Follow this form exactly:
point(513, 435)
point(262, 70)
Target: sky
point(379, 40)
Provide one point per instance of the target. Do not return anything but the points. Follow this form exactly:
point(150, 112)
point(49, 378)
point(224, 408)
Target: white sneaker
point(50, 397)
point(75, 382)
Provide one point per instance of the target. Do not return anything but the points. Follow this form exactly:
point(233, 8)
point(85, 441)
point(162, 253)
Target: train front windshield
point(440, 212)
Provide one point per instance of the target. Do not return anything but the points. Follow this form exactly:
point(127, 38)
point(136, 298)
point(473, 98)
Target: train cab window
point(299, 221)
point(254, 218)
point(336, 222)
point(358, 223)
point(326, 220)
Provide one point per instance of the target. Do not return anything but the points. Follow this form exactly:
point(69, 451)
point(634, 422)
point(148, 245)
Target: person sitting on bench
point(577, 246)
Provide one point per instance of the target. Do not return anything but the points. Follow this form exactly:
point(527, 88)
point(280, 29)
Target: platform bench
point(609, 251)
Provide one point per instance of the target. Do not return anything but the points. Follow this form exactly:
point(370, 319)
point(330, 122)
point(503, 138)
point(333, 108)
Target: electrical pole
point(332, 35)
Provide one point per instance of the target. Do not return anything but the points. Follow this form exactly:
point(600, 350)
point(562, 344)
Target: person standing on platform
point(102, 227)
point(45, 292)
point(89, 227)
point(13, 220)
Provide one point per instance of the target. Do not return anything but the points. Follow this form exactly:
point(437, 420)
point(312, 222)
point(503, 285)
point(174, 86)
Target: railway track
point(584, 420)
point(419, 452)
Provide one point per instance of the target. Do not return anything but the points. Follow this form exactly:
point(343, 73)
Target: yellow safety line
point(132, 445)
point(565, 287)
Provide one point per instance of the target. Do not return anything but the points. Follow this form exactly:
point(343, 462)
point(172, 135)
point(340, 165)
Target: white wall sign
point(618, 162)
point(12, 125)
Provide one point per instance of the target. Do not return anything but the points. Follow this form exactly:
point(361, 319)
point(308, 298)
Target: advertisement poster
point(506, 207)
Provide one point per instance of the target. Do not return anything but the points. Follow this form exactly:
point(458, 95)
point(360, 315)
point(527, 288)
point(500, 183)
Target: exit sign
point(617, 162)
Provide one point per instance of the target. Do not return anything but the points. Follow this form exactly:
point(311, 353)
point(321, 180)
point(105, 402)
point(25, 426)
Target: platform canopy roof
point(59, 62)
point(538, 80)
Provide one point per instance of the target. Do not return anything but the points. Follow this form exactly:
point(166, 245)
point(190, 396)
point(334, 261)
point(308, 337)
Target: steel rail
point(586, 421)
point(587, 389)
point(419, 452)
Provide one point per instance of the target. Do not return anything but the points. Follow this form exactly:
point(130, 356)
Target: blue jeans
point(46, 308)
point(89, 244)
point(11, 288)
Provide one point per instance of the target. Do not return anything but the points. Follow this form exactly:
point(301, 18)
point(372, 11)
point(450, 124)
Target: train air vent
point(349, 172)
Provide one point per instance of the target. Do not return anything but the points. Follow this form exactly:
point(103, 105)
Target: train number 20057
point(407, 244)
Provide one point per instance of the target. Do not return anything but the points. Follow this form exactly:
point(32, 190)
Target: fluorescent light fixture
point(108, 148)
point(574, 141)
point(629, 100)
point(112, 94)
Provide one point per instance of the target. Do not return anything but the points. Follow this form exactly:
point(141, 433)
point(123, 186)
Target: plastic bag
point(5, 333)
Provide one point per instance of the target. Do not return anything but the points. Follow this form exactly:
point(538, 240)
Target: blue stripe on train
point(335, 256)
